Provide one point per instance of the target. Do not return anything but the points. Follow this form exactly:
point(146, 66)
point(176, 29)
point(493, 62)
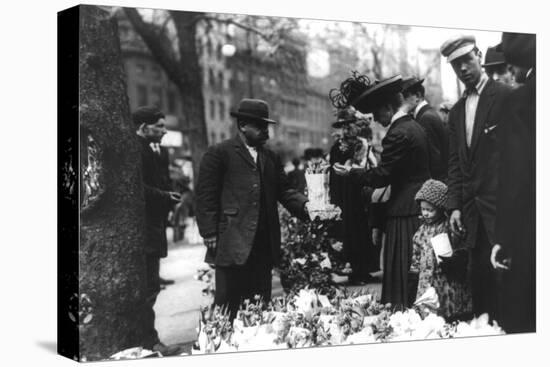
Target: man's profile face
point(255, 132)
point(155, 132)
point(411, 100)
point(468, 68)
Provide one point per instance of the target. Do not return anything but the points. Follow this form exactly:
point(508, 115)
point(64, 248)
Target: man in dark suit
point(158, 200)
point(430, 120)
point(240, 182)
point(514, 253)
point(473, 165)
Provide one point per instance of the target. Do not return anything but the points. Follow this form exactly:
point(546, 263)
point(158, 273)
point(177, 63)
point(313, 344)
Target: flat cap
point(457, 46)
point(147, 115)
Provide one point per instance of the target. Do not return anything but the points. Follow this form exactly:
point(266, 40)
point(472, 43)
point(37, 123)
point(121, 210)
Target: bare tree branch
point(164, 57)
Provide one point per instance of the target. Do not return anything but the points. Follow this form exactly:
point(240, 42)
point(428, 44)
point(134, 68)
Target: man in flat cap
point(240, 182)
point(159, 198)
point(514, 253)
point(430, 120)
point(473, 165)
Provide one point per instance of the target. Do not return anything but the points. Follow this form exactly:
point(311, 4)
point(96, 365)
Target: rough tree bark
point(112, 262)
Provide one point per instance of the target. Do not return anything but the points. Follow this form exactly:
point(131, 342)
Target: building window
point(142, 95)
point(140, 69)
point(156, 98)
point(171, 102)
point(222, 136)
point(220, 79)
point(212, 138)
point(222, 110)
point(209, 47)
point(211, 77)
point(219, 52)
point(212, 109)
point(156, 72)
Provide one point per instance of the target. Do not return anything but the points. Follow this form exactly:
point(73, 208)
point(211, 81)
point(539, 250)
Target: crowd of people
point(461, 176)
point(471, 179)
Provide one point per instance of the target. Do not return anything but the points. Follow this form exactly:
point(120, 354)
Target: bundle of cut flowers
point(308, 255)
point(309, 318)
point(206, 274)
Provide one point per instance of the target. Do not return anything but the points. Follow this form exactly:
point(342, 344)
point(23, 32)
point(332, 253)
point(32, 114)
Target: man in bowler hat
point(497, 68)
point(473, 165)
point(159, 198)
point(240, 182)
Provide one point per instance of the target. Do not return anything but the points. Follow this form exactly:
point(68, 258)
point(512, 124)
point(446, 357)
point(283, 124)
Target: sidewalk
point(178, 306)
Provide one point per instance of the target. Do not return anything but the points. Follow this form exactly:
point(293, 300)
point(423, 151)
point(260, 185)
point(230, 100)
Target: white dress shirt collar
point(253, 151)
point(419, 107)
point(397, 116)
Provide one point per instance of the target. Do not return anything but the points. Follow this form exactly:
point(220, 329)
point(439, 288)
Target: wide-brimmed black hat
point(344, 116)
point(377, 93)
point(410, 83)
point(494, 57)
point(254, 110)
point(519, 49)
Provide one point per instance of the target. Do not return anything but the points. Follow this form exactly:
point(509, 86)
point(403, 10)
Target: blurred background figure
point(497, 68)
point(184, 211)
point(444, 109)
point(297, 176)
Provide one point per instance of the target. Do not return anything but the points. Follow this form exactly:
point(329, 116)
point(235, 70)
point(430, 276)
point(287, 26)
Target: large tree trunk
point(112, 262)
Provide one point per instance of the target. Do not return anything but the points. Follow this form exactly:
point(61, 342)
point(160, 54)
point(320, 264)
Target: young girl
point(449, 276)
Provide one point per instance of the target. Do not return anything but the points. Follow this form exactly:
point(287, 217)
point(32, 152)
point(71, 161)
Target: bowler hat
point(411, 83)
point(494, 57)
point(147, 115)
point(253, 109)
point(457, 46)
point(376, 94)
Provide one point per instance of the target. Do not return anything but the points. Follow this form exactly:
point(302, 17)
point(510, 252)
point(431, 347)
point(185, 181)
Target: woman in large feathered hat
point(403, 165)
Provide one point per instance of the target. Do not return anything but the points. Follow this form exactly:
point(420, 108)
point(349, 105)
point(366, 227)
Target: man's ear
point(240, 125)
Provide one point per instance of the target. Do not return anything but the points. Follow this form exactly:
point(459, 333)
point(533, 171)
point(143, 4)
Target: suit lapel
point(261, 159)
point(461, 129)
point(242, 151)
point(484, 105)
point(422, 112)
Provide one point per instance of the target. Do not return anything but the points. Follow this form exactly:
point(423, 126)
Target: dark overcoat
point(403, 165)
point(516, 214)
point(473, 171)
point(228, 199)
point(157, 187)
point(438, 141)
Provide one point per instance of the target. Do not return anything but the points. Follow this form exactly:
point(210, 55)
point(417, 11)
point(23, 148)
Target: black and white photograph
point(234, 181)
